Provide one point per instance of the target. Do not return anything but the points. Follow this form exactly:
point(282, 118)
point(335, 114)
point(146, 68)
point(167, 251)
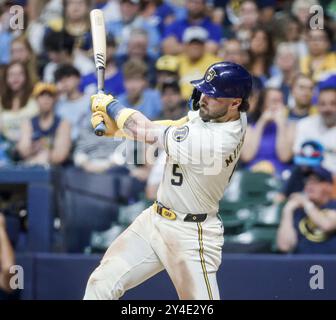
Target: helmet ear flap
point(194, 100)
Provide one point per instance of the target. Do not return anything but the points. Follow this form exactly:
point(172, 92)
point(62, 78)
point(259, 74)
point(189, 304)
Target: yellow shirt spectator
point(194, 60)
point(325, 66)
point(320, 61)
point(189, 70)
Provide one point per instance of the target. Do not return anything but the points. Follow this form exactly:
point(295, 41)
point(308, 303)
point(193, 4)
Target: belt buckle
point(164, 212)
point(168, 214)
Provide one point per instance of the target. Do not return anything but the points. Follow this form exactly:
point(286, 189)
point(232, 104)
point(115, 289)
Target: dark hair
point(66, 70)
point(7, 94)
point(269, 55)
point(170, 85)
point(254, 116)
point(59, 41)
point(328, 32)
point(244, 106)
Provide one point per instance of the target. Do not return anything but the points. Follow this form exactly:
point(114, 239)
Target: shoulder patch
point(181, 133)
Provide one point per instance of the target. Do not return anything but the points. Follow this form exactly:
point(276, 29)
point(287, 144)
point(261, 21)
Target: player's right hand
point(100, 101)
point(111, 127)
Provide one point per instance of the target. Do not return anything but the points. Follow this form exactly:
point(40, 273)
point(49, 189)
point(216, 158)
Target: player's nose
point(204, 99)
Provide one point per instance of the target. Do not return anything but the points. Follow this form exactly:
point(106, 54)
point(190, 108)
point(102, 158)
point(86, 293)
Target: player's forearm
point(142, 129)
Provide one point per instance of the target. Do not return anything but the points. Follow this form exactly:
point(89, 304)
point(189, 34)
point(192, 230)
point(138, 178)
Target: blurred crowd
point(154, 49)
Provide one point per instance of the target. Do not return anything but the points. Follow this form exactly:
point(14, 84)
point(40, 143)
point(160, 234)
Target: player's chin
point(204, 114)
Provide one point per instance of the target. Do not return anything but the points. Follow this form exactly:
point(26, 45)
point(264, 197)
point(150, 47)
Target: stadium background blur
point(65, 194)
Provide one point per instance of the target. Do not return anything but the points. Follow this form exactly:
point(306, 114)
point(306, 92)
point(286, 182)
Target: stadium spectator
point(114, 80)
point(301, 10)
point(72, 106)
point(232, 50)
point(197, 17)
point(286, 65)
point(301, 96)
point(173, 105)
point(166, 70)
point(261, 54)
point(138, 95)
point(21, 51)
point(39, 14)
point(6, 32)
point(110, 8)
point(122, 29)
point(46, 138)
point(292, 32)
point(308, 221)
point(158, 13)
point(16, 103)
point(97, 154)
point(245, 22)
point(322, 126)
point(7, 259)
point(60, 50)
point(76, 22)
point(138, 49)
point(266, 10)
point(320, 61)
point(269, 136)
point(194, 60)
point(311, 155)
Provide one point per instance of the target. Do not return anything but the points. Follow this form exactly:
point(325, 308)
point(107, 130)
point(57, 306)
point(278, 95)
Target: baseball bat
point(99, 51)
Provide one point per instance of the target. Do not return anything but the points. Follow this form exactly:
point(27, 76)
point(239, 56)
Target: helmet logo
point(210, 75)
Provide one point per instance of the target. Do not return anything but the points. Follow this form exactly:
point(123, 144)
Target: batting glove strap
point(100, 101)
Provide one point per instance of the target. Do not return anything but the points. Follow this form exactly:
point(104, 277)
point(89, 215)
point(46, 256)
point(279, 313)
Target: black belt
point(171, 215)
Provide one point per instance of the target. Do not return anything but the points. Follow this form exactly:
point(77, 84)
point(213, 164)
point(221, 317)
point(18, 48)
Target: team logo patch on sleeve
point(180, 134)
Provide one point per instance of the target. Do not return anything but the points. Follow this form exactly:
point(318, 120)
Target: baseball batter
point(181, 232)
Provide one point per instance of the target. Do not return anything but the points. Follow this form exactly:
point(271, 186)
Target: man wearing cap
point(181, 232)
point(311, 155)
point(308, 223)
point(166, 70)
point(122, 29)
point(46, 138)
point(194, 59)
point(196, 17)
point(322, 126)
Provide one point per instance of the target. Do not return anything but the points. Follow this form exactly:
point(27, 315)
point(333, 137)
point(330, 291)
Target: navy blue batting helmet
point(225, 80)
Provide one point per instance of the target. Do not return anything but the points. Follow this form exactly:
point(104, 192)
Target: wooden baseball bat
point(99, 51)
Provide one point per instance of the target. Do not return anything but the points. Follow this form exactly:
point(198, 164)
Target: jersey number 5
point(177, 181)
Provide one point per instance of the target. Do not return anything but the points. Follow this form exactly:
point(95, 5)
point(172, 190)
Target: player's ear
point(236, 103)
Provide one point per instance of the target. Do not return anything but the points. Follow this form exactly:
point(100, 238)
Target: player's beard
point(206, 115)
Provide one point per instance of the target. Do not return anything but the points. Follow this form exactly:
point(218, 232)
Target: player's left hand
point(111, 127)
point(100, 101)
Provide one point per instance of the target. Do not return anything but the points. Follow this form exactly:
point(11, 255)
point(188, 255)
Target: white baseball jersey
point(201, 159)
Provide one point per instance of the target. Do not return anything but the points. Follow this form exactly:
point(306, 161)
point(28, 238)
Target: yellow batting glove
point(111, 127)
point(100, 101)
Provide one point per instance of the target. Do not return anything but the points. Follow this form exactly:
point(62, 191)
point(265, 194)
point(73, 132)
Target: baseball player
point(181, 232)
